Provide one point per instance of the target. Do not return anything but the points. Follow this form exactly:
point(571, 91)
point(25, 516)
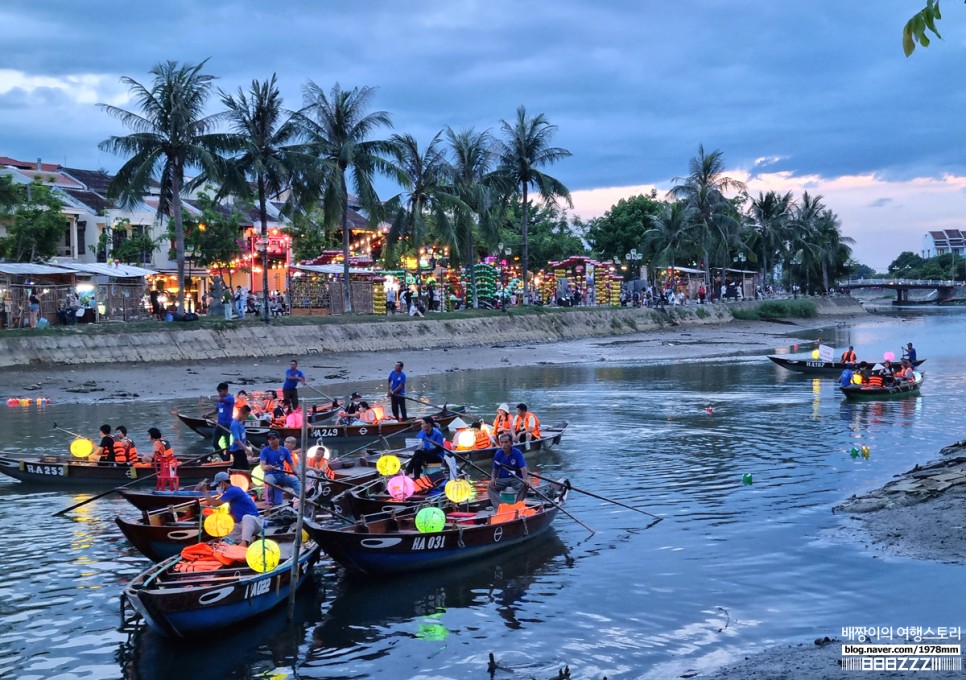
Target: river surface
point(733, 567)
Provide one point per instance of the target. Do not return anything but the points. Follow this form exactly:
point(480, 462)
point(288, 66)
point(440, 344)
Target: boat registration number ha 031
point(325, 432)
point(48, 470)
point(429, 542)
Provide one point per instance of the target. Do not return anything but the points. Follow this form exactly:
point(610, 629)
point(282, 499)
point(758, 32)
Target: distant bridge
point(944, 289)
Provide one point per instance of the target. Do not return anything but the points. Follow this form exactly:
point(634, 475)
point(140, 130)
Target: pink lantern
point(889, 356)
point(400, 487)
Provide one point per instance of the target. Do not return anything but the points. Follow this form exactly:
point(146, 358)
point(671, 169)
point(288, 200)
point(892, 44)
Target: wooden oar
point(321, 393)
point(124, 486)
point(593, 495)
point(69, 432)
point(529, 486)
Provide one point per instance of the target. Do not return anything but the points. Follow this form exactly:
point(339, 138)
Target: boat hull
point(816, 367)
point(901, 391)
point(55, 471)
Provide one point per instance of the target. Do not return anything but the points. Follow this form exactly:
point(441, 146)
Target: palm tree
point(473, 155)
point(171, 134)
point(771, 215)
point(803, 243)
point(525, 149)
point(338, 128)
point(264, 139)
point(670, 232)
point(703, 190)
point(834, 249)
point(424, 175)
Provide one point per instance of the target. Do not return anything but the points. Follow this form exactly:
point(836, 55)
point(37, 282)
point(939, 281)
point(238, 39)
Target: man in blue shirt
point(239, 448)
point(241, 507)
point(846, 378)
point(225, 410)
point(273, 459)
point(293, 376)
point(397, 392)
point(509, 471)
point(430, 449)
point(910, 353)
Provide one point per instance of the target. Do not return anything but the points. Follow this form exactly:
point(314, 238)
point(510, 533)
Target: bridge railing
point(889, 283)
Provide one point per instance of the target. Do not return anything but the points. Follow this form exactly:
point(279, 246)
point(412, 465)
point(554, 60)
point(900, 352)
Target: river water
point(733, 567)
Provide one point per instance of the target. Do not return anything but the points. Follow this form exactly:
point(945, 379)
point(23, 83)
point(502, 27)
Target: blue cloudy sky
point(813, 96)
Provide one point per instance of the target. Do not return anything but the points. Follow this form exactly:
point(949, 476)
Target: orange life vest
point(295, 460)
point(848, 357)
point(125, 451)
point(875, 380)
point(502, 423)
point(322, 465)
point(528, 422)
point(482, 440)
point(368, 416)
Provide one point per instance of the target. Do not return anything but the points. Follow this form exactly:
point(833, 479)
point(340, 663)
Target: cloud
point(880, 202)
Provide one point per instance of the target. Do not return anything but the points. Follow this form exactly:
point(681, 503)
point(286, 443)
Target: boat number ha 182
point(429, 542)
point(50, 470)
point(325, 432)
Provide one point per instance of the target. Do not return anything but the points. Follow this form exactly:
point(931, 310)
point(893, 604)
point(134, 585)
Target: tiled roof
point(28, 165)
point(95, 180)
point(92, 200)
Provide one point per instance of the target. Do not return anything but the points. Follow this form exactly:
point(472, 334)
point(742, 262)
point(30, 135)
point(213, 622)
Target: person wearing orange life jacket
point(292, 445)
point(906, 373)
point(502, 422)
point(848, 356)
point(320, 463)
point(162, 455)
point(124, 449)
point(526, 425)
point(475, 437)
point(365, 414)
point(241, 399)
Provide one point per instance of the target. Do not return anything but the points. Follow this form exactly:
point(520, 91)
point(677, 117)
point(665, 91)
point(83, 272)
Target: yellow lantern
point(857, 379)
point(81, 448)
point(458, 490)
point(258, 476)
point(388, 465)
point(219, 524)
point(263, 555)
point(815, 354)
point(465, 439)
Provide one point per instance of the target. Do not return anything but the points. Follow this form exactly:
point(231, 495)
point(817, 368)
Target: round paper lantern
point(388, 465)
point(258, 476)
point(430, 520)
point(263, 555)
point(81, 448)
point(857, 379)
point(815, 354)
point(219, 524)
point(458, 490)
point(401, 487)
point(466, 439)
point(240, 480)
point(889, 356)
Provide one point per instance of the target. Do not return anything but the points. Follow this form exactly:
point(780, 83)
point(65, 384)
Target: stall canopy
point(687, 270)
point(121, 271)
point(331, 269)
point(31, 269)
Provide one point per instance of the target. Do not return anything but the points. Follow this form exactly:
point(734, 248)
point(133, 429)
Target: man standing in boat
point(239, 448)
point(509, 471)
point(909, 353)
point(273, 459)
point(241, 507)
point(225, 411)
point(293, 376)
point(848, 356)
point(397, 392)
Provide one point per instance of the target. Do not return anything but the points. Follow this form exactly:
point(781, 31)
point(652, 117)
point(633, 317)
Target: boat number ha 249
point(326, 432)
point(429, 542)
point(50, 470)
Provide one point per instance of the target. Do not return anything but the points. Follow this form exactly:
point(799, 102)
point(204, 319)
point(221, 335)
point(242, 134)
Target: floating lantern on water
point(746, 479)
point(854, 452)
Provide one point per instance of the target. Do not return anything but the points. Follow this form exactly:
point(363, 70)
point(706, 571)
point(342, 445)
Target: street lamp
point(189, 255)
point(503, 252)
point(633, 258)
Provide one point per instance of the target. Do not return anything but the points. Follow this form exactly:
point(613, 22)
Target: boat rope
point(459, 533)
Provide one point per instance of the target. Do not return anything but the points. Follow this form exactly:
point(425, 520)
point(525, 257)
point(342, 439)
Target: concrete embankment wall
point(254, 339)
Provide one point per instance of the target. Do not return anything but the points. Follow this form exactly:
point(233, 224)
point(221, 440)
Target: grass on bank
point(777, 309)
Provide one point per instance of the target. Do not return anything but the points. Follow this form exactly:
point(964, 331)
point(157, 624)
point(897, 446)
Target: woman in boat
point(104, 451)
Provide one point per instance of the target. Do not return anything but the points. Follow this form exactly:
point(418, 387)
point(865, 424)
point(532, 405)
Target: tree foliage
point(623, 227)
point(919, 26)
point(35, 225)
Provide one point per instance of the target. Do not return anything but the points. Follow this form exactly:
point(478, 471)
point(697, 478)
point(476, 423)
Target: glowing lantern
point(889, 356)
point(379, 411)
point(458, 490)
point(430, 520)
point(258, 476)
point(465, 439)
point(241, 480)
point(401, 487)
point(388, 465)
point(746, 479)
point(866, 451)
point(857, 379)
point(219, 524)
point(263, 555)
point(81, 448)
point(854, 452)
point(815, 354)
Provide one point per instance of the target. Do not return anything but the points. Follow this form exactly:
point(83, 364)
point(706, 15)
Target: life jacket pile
point(511, 511)
point(875, 380)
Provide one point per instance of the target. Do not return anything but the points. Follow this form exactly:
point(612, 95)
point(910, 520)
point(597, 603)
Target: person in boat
point(503, 422)
point(124, 449)
point(225, 409)
point(272, 459)
point(241, 507)
point(848, 356)
point(351, 410)
point(430, 450)
point(888, 373)
point(480, 437)
point(906, 372)
point(396, 391)
point(865, 372)
point(241, 399)
point(845, 379)
point(239, 450)
point(161, 452)
point(909, 353)
point(293, 376)
point(269, 399)
point(509, 471)
point(104, 452)
point(293, 446)
point(526, 425)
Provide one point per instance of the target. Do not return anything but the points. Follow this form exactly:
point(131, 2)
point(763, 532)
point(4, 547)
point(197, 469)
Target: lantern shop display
point(457, 288)
point(379, 296)
point(486, 279)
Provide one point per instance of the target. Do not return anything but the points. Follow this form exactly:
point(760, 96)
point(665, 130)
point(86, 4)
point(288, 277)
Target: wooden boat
point(816, 367)
point(899, 390)
point(372, 498)
point(550, 437)
point(392, 545)
point(164, 532)
point(189, 604)
point(205, 426)
point(156, 499)
point(258, 435)
point(63, 471)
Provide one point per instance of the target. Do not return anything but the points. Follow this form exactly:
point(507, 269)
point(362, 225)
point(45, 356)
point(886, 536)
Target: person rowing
point(239, 451)
point(509, 471)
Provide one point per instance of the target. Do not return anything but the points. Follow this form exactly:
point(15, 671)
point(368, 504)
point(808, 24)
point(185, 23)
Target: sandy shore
point(336, 373)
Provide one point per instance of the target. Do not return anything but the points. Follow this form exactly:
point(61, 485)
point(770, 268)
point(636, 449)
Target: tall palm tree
point(472, 158)
point(338, 126)
point(834, 249)
point(265, 142)
point(703, 190)
point(525, 149)
point(771, 215)
point(804, 246)
point(425, 185)
point(670, 232)
point(171, 134)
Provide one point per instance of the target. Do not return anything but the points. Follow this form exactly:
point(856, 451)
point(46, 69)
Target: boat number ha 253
point(429, 542)
point(325, 432)
point(50, 470)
